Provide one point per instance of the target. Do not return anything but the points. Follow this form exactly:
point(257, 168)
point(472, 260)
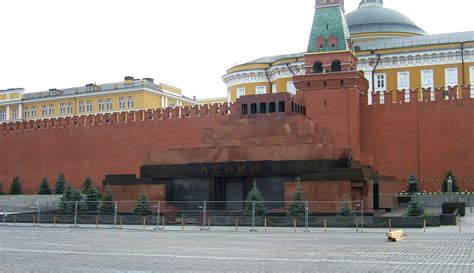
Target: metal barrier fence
point(205, 215)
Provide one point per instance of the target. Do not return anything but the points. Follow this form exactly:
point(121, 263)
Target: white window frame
point(130, 102)
point(26, 113)
point(450, 82)
point(101, 105)
point(62, 109)
point(51, 110)
point(3, 114)
point(89, 106)
point(14, 113)
point(44, 111)
point(33, 112)
point(274, 88)
point(108, 104)
point(121, 103)
point(260, 90)
point(404, 83)
point(380, 78)
point(428, 82)
point(290, 87)
point(471, 76)
point(81, 107)
point(69, 108)
point(240, 92)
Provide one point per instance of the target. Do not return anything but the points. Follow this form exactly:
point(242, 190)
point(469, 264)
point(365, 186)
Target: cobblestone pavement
point(42, 249)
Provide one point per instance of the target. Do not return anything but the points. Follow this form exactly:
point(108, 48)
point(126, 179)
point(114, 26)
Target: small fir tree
point(92, 198)
point(68, 201)
point(142, 208)
point(298, 206)
point(1, 189)
point(44, 188)
point(346, 208)
point(445, 182)
point(16, 188)
point(415, 208)
point(87, 184)
point(60, 184)
point(107, 205)
point(255, 195)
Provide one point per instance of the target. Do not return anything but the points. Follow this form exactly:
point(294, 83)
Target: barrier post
point(39, 213)
point(306, 216)
point(4, 216)
point(265, 223)
point(325, 226)
point(460, 225)
point(362, 213)
point(236, 224)
point(204, 216)
point(389, 225)
point(115, 214)
point(357, 226)
point(54, 221)
point(253, 216)
point(120, 222)
point(14, 220)
point(182, 223)
point(424, 225)
point(97, 221)
point(34, 220)
point(158, 212)
point(75, 214)
point(163, 223)
point(144, 222)
point(209, 224)
point(294, 224)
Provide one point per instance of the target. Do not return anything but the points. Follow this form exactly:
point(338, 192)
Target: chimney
point(151, 80)
point(129, 79)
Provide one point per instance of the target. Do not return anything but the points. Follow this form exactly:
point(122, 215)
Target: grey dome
point(369, 18)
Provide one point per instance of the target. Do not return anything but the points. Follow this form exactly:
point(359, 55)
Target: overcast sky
point(186, 43)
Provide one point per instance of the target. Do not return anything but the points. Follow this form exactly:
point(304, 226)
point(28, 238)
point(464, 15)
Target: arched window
point(332, 41)
point(336, 66)
point(318, 67)
point(320, 42)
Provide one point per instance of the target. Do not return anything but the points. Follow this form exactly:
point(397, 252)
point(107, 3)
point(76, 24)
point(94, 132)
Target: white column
point(8, 112)
point(166, 102)
point(20, 111)
point(162, 101)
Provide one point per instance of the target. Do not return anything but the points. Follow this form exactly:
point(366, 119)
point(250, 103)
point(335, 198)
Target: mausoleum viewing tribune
point(372, 101)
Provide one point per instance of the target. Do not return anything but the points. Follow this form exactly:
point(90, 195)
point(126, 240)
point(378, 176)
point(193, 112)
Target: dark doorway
point(317, 67)
point(336, 66)
point(376, 196)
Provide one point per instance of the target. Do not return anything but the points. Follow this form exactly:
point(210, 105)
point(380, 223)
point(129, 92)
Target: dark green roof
point(329, 21)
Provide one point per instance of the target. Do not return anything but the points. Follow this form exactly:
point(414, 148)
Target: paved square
point(28, 249)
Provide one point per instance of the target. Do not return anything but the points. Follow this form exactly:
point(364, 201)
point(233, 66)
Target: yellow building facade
point(130, 94)
point(392, 51)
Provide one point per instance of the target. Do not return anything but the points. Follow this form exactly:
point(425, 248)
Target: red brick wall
point(427, 138)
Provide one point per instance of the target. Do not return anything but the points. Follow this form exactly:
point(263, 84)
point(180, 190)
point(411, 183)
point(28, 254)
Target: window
point(451, 79)
point(26, 113)
point(89, 106)
point(62, 109)
point(44, 112)
point(336, 66)
point(101, 105)
point(69, 108)
point(33, 112)
point(472, 81)
point(108, 103)
point(320, 42)
point(291, 87)
point(240, 92)
point(3, 115)
point(81, 106)
point(121, 103)
point(380, 85)
point(427, 81)
point(259, 90)
point(130, 102)
point(51, 110)
point(318, 67)
point(14, 113)
point(404, 83)
point(274, 88)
